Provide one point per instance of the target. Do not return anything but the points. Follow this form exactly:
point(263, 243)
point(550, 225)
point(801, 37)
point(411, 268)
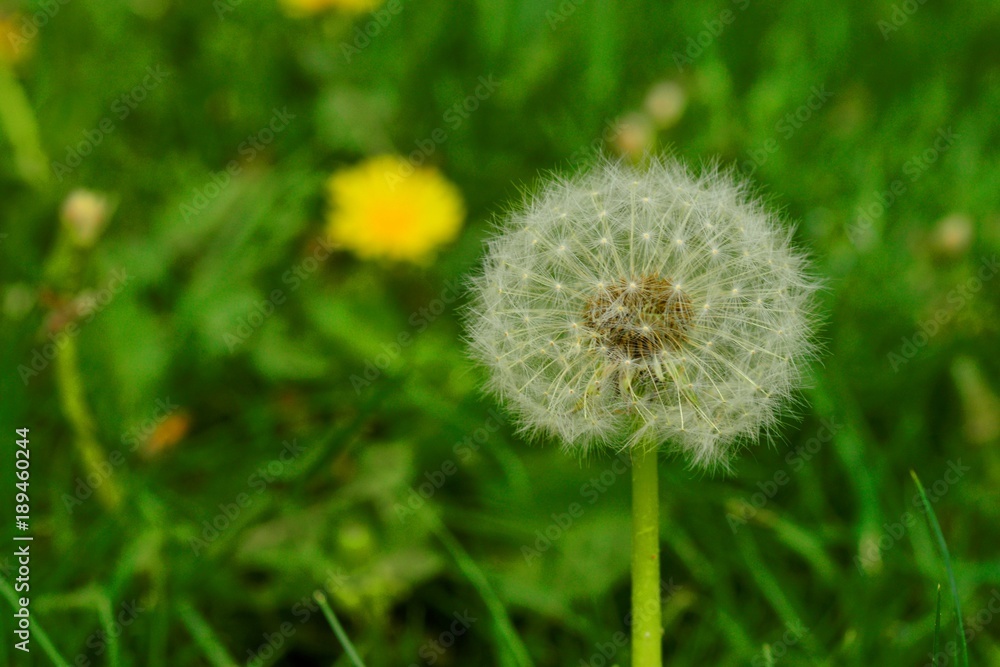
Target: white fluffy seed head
point(644, 307)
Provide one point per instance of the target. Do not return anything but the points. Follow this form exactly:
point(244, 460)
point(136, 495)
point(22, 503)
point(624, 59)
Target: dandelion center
point(637, 318)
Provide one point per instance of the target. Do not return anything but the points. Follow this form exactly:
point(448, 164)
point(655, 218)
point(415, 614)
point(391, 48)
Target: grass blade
point(937, 628)
point(470, 569)
point(768, 657)
point(338, 629)
point(204, 636)
point(936, 529)
point(106, 614)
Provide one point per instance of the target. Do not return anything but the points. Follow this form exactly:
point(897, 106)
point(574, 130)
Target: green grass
point(836, 566)
point(963, 648)
point(338, 630)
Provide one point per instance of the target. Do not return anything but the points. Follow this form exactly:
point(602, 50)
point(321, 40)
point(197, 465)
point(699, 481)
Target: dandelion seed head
point(667, 309)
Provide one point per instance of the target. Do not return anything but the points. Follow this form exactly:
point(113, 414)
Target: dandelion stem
point(647, 630)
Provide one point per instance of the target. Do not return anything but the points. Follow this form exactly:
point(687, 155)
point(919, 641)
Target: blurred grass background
point(830, 562)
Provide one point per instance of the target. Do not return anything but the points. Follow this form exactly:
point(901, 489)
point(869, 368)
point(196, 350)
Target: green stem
point(74, 404)
point(338, 629)
point(647, 630)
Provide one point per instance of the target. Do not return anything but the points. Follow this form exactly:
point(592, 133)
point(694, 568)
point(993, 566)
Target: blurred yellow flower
point(307, 7)
point(15, 45)
point(384, 208)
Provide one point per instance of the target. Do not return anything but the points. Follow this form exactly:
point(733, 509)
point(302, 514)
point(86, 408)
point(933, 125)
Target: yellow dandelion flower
point(384, 208)
point(309, 7)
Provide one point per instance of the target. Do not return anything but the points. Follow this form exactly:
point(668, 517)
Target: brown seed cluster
point(640, 317)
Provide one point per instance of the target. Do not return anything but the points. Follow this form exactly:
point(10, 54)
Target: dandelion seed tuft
point(644, 306)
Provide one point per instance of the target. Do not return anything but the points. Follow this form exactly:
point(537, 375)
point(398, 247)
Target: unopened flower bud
point(85, 214)
point(665, 103)
point(952, 236)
